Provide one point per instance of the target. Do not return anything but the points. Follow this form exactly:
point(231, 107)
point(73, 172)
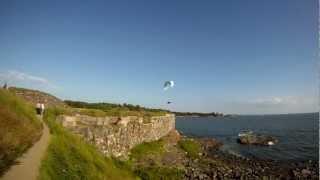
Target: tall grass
point(69, 157)
point(19, 128)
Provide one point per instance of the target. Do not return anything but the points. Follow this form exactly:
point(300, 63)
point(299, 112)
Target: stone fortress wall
point(115, 136)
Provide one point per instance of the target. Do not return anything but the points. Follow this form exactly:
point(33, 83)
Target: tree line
point(109, 106)
point(130, 107)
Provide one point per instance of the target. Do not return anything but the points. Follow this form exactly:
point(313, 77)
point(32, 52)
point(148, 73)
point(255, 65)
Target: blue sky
point(249, 57)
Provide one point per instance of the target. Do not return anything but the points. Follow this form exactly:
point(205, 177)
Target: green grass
point(191, 147)
point(19, 128)
point(154, 171)
point(69, 157)
point(147, 148)
point(109, 109)
point(90, 112)
point(120, 112)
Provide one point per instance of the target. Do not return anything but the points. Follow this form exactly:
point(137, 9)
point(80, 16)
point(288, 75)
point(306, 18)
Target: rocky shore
point(201, 158)
point(215, 164)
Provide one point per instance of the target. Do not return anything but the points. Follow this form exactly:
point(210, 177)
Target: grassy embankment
point(19, 128)
point(69, 157)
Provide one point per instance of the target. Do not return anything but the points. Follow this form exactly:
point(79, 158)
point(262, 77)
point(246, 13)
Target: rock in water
point(256, 139)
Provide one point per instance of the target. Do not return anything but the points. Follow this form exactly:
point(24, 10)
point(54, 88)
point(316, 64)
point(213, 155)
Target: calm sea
point(298, 134)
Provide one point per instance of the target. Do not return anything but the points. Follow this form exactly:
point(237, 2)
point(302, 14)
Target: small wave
point(229, 150)
point(234, 153)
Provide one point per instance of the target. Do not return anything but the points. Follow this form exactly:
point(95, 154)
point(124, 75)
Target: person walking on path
point(38, 108)
point(42, 108)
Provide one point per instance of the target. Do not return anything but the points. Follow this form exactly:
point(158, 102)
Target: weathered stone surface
point(172, 138)
point(117, 135)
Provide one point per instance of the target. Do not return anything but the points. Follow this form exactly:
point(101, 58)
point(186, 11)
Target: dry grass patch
point(19, 128)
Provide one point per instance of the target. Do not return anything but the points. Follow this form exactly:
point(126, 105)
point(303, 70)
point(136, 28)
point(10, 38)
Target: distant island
point(198, 114)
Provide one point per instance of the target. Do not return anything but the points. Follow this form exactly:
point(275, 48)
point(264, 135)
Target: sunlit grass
point(147, 148)
point(119, 112)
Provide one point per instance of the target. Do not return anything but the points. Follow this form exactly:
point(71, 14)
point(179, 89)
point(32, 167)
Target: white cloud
point(272, 101)
point(13, 77)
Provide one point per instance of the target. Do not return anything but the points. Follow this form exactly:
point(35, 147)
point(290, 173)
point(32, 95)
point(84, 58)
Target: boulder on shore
point(210, 143)
point(257, 140)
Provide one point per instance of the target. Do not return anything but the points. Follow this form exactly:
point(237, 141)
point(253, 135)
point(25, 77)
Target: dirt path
point(29, 163)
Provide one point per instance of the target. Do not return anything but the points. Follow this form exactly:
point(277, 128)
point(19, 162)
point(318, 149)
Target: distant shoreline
point(233, 115)
point(198, 114)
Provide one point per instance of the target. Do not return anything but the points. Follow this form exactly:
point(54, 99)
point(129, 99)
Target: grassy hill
point(92, 109)
point(19, 128)
point(36, 96)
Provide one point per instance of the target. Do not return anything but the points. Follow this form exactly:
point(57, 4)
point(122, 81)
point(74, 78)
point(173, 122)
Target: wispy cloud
point(16, 78)
point(273, 105)
point(276, 101)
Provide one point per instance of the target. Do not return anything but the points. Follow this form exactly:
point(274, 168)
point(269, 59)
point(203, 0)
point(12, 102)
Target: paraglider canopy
point(167, 85)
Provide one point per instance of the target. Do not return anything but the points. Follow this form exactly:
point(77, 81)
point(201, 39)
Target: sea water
point(298, 134)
